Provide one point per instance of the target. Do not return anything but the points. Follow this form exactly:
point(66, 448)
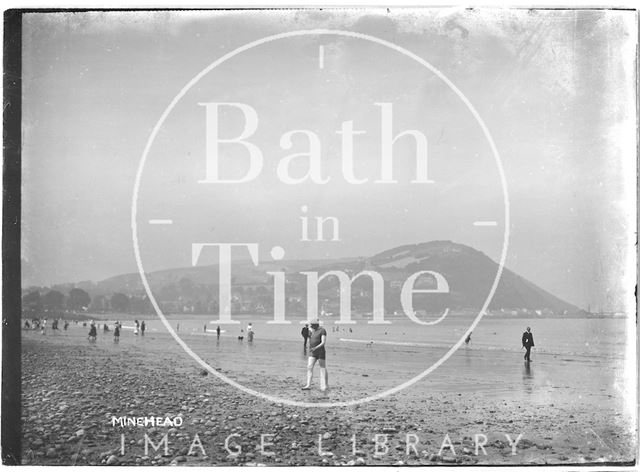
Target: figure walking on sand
point(317, 342)
point(218, 331)
point(305, 335)
point(137, 327)
point(527, 343)
point(142, 328)
point(116, 333)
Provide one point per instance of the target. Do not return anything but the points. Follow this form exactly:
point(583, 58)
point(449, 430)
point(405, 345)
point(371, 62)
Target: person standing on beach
point(317, 341)
point(527, 343)
point(116, 333)
point(250, 333)
point(136, 328)
point(305, 335)
point(218, 331)
point(142, 328)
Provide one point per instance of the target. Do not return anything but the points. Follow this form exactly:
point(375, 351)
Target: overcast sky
point(554, 88)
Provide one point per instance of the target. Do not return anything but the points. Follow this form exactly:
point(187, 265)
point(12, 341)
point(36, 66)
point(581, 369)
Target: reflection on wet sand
point(527, 378)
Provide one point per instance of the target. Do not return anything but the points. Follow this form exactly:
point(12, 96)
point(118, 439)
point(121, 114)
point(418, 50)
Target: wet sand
point(566, 408)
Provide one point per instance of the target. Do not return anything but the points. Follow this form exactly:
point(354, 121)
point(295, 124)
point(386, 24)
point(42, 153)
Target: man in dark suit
point(527, 343)
point(305, 335)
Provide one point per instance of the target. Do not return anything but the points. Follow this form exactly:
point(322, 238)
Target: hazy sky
point(554, 88)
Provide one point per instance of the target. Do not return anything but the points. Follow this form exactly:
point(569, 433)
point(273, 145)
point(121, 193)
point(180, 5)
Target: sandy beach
point(558, 410)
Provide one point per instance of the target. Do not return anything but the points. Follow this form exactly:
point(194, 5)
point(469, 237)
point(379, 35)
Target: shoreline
point(66, 418)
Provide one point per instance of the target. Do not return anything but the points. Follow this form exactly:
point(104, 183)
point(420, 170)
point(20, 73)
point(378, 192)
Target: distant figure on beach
point(241, 337)
point(204, 328)
point(250, 333)
point(105, 328)
point(317, 352)
point(116, 333)
point(305, 335)
point(527, 343)
point(66, 325)
point(218, 331)
point(468, 340)
point(142, 328)
point(27, 325)
point(136, 328)
point(54, 324)
point(93, 332)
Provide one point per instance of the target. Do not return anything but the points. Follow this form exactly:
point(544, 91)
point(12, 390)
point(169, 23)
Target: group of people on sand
point(139, 328)
point(36, 324)
point(250, 333)
point(316, 337)
point(313, 335)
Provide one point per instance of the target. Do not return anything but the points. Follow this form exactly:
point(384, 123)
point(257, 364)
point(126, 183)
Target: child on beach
point(142, 328)
point(93, 332)
point(116, 333)
point(317, 341)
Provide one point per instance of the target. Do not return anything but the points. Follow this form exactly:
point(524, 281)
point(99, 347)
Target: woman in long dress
point(250, 333)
